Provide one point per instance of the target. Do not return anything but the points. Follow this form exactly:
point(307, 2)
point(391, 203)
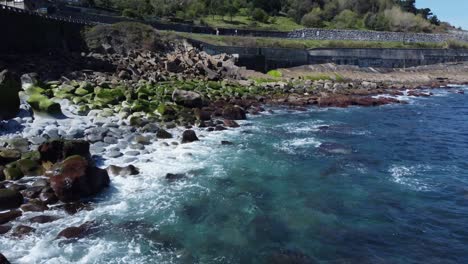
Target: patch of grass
point(277, 23)
point(275, 74)
point(264, 80)
point(314, 44)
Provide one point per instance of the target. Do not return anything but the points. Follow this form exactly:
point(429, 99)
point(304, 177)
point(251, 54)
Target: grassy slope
point(303, 44)
point(243, 22)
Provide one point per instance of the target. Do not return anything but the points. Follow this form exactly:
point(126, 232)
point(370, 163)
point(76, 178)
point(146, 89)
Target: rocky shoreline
point(54, 132)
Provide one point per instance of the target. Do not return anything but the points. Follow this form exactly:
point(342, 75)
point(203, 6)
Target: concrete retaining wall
point(265, 59)
point(27, 32)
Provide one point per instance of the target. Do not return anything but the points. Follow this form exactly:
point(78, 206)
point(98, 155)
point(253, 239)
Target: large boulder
point(187, 98)
point(3, 259)
point(234, 113)
point(58, 150)
point(76, 178)
point(189, 136)
point(9, 99)
point(10, 199)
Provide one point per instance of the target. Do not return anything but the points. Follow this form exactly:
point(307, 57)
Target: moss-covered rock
point(9, 155)
point(12, 173)
point(81, 91)
point(29, 167)
point(83, 110)
point(109, 96)
point(41, 103)
point(9, 99)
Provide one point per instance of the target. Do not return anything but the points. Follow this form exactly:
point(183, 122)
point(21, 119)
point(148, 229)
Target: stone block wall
point(358, 35)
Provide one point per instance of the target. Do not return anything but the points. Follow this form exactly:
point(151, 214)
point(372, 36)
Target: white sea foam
point(127, 198)
point(294, 145)
point(411, 176)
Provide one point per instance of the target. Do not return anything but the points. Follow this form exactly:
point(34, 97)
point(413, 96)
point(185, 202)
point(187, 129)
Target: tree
point(260, 15)
point(313, 18)
point(347, 19)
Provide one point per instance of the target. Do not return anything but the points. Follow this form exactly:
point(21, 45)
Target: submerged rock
point(76, 232)
point(75, 178)
point(9, 216)
point(174, 177)
point(42, 219)
point(10, 199)
point(22, 230)
point(122, 171)
point(9, 99)
point(189, 136)
point(289, 257)
point(335, 148)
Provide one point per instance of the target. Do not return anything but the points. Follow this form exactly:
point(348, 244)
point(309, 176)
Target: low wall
point(386, 58)
point(28, 32)
point(265, 59)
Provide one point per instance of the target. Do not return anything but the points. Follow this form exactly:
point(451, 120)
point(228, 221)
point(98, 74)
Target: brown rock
point(230, 123)
point(76, 232)
point(58, 150)
point(48, 197)
point(234, 113)
point(34, 207)
point(74, 178)
point(9, 216)
point(189, 136)
point(122, 171)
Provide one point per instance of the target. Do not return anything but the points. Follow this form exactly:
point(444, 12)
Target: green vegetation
point(391, 15)
point(275, 74)
point(313, 44)
point(276, 23)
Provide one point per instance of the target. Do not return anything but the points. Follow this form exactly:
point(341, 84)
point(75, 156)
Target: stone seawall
point(265, 59)
point(358, 35)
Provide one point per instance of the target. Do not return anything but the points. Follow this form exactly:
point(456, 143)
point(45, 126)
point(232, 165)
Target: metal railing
point(46, 16)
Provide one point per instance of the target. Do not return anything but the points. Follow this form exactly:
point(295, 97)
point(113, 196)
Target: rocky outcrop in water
point(10, 199)
point(3, 259)
point(189, 136)
point(75, 178)
point(9, 99)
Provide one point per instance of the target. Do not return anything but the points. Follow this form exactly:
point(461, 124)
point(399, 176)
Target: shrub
point(313, 18)
point(406, 22)
point(455, 44)
point(348, 19)
point(260, 15)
